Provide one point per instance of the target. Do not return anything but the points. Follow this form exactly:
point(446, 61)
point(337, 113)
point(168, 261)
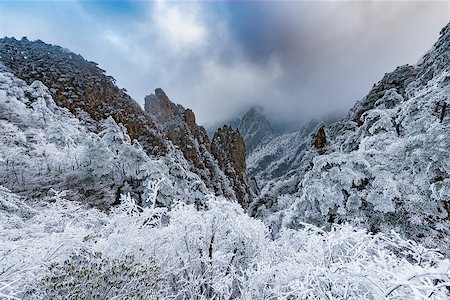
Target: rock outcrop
point(159, 107)
point(320, 140)
point(80, 86)
point(228, 146)
point(180, 126)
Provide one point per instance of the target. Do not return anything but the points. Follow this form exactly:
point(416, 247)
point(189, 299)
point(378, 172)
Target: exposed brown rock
point(159, 106)
point(228, 147)
point(320, 140)
point(189, 117)
point(180, 126)
point(82, 87)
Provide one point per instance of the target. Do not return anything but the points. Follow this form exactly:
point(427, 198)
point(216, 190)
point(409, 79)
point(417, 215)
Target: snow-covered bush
point(391, 172)
point(215, 253)
point(346, 263)
point(87, 275)
point(44, 146)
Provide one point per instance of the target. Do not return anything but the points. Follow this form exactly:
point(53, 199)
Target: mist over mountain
point(297, 59)
point(367, 167)
point(102, 198)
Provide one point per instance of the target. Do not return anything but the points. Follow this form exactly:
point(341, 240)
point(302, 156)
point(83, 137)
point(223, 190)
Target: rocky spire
point(159, 106)
point(228, 146)
point(210, 161)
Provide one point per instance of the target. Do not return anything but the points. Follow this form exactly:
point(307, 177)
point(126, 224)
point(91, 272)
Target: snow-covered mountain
point(340, 201)
point(98, 133)
point(384, 166)
point(254, 127)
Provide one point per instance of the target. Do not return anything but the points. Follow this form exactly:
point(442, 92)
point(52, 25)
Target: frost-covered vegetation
point(56, 248)
point(87, 213)
point(385, 166)
point(44, 146)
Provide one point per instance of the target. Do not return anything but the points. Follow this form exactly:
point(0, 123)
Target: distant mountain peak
point(255, 128)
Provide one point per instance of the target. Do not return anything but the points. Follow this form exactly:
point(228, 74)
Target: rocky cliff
point(254, 127)
point(92, 98)
point(228, 147)
point(81, 86)
point(212, 165)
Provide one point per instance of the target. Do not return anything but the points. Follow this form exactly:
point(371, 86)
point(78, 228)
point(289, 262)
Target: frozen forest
point(100, 199)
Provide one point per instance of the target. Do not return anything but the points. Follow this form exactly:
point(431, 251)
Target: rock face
point(160, 107)
point(94, 99)
point(255, 128)
point(80, 86)
point(212, 128)
point(320, 140)
point(228, 146)
point(180, 126)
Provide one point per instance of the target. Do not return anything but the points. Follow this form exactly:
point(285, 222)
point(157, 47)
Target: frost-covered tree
point(58, 248)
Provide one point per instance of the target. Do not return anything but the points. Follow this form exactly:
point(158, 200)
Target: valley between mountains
point(103, 199)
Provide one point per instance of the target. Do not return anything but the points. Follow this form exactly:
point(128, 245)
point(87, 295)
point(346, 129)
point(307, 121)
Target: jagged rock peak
point(228, 147)
point(159, 106)
point(222, 166)
point(255, 113)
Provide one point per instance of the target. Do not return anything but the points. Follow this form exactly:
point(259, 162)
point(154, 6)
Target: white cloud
point(179, 29)
point(329, 55)
point(176, 28)
point(224, 90)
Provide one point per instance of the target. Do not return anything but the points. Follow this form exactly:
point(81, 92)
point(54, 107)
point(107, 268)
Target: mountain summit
point(109, 125)
point(221, 163)
point(255, 128)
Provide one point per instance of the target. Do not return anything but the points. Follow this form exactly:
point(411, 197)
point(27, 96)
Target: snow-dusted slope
point(281, 157)
point(95, 102)
point(45, 147)
point(386, 165)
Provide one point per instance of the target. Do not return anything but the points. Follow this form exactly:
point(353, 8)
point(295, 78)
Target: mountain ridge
point(383, 166)
point(93, 97)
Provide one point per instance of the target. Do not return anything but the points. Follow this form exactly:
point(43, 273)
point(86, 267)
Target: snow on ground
point(54, 248)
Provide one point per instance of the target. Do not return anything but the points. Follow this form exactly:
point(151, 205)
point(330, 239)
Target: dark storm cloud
point(297, 59)
point(330, 53)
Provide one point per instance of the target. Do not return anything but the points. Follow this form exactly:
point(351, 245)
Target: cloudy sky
point(296, 59)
